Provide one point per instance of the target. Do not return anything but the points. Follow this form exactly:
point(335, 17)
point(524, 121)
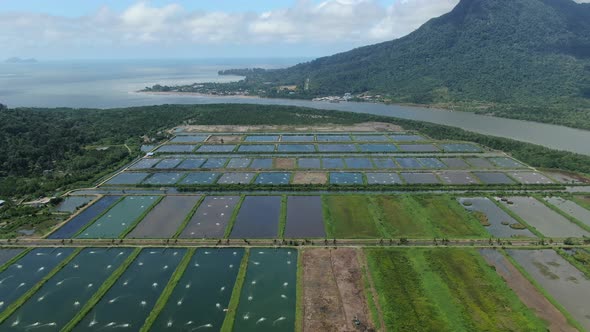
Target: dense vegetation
point(525, 59)
point(445, 290)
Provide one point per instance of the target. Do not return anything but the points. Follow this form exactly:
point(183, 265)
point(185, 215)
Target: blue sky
point(67, 29)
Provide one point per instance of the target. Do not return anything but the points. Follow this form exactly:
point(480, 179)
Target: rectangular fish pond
point(164, 219)
point(127, 304)
point(23, 274)
point(68, 290)
point(83, 218)
point(258, 218)
point(211, 218)
point(304, 217)
point(119, 218)
point(201, 297)
point(268, 297)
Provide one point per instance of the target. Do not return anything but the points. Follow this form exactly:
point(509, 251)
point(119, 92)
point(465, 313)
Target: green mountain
point(483, 50)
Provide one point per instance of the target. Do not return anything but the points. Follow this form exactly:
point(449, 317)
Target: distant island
point(21, 60)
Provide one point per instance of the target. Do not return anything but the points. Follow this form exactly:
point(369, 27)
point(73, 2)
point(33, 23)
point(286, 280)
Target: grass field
point(445, 289)
point(349, 217)
point(417, 216)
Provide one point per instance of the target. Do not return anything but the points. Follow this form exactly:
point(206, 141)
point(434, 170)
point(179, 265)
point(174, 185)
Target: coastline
point(193, 94)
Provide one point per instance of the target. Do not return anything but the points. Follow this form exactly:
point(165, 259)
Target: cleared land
point(310, 178)
point(349, 217)
point(445, 289)
point(418, 216)
point(333, 291)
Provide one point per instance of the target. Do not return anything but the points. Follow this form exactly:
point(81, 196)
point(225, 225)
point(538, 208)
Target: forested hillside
point(526, 59)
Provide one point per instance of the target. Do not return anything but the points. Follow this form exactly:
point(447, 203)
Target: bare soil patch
point(310, 178)
point(333, 291)
point(361, 127)
point(285, 163)
point(567, 177)
point(528, 294)
point(221, 139)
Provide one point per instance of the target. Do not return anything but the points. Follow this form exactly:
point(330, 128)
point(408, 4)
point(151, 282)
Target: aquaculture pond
point(236, 178)
point(268, 297)
point(545, 220)
point(68, 290)
point(457, 177)
point(211, 217)
point(128, 178)
point(455, 162)
point(420, 178)
point(191, 163)
point(238, 163)
point(460, 147)
point(333, 138)
point(408, 163)
point(566, 284)
point(171, 148)
point(506, 162)
point(200, 178)
point(265, 163)
point(119, 218)
point(168, 163)
point(23, 274)
point(384, 163)
point(493, 178)
point(419, 147)
point(406, 138)
point(127, 304)
point(165, 218)
point(431, 163)
point(383, 178)
point(256, 148)
point(377, 147)
point(73, 203)
point(201, 297)
point(145, 163)
point(6, 254)
point(530, 177)
point(333, 163)
point(189, 139)
point(371, 138)
point(216, 148)
point(297, 138)
point(308, 163)
point(479, 162)
point(262, 138)
point(296, 148)
point(571, 208)
point(346, 178)
point(258, 218)
point(499, 221)
point(273, 178)
point(82, 219)
point(164, 178)
point(304, 217)
point(337, 147)
point(358, 163)
point(214, 163)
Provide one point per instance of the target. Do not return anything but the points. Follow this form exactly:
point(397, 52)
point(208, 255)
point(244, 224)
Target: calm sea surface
point(107, 84)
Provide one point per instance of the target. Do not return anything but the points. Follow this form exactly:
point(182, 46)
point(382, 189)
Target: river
point(108, 84)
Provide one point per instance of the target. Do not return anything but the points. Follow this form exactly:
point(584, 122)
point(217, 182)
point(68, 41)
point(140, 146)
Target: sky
point(119, 29)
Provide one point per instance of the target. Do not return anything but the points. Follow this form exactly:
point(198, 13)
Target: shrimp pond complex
point(319, 226)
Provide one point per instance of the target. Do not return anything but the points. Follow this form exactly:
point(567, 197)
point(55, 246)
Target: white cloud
point(342, 23)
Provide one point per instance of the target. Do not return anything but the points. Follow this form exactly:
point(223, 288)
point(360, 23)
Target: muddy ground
point(365, 126)
point(310, 178)
point(333, 291)
point(528, 294)
point(285, 163)
point(224, 139)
